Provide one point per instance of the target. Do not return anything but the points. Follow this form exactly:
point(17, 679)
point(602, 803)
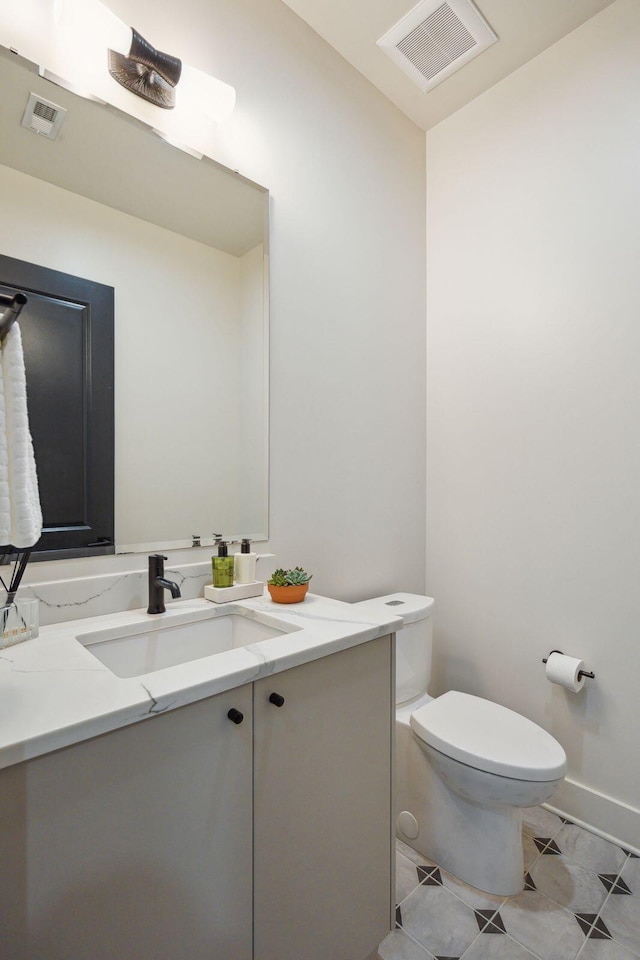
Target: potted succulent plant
point(288, 586)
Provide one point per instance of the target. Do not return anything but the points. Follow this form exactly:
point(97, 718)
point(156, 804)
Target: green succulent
point(278, 578)
point(289, 578)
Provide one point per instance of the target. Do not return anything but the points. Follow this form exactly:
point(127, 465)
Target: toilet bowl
point(465, 766)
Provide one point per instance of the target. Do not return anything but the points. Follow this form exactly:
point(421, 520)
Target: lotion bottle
point(245, 563)
point(222, 566)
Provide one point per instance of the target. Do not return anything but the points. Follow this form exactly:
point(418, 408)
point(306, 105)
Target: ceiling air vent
point(43, 117)
point(435, 39)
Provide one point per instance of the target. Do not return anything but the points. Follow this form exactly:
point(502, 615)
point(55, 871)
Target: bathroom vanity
point(235, 806)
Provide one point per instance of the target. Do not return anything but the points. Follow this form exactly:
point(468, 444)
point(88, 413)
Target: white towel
point(20, 512)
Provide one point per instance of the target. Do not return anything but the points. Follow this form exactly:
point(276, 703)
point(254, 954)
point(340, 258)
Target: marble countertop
point(54, 692)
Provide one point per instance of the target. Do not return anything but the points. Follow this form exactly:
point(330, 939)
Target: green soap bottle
point(222, 566)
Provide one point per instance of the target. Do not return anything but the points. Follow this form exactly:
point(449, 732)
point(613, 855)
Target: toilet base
point(479, 844)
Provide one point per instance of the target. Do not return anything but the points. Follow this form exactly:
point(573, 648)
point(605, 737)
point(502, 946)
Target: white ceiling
point(525, 28)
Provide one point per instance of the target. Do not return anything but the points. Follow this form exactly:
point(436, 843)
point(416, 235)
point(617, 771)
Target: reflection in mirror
point(184, 242)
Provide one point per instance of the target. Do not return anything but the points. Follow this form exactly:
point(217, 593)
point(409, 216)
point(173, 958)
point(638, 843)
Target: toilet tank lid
point(409, 606)
point(490, 737)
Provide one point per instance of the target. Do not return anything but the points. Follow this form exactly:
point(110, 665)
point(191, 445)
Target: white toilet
point(464, 765)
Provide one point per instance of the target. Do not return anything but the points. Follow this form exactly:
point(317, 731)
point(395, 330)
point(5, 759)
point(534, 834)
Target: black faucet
point(158, 584)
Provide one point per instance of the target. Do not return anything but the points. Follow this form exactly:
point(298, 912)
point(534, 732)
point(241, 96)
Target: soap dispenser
point(245, 563)
point(222, 564)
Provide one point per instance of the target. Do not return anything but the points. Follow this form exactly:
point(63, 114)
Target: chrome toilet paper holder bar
point(581, 673)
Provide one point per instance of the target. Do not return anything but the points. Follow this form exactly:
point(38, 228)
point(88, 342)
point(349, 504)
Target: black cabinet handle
point(276, 699)
point(235, 716)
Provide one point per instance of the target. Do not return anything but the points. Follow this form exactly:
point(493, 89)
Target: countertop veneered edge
point(54, 693)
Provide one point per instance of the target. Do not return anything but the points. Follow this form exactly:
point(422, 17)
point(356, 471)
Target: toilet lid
point(489, 737)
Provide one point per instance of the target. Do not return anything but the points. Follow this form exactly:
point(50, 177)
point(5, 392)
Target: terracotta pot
point(290, 594)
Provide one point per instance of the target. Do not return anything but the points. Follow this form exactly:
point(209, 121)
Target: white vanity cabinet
point(190, 836)
point(136, 845)
point(322, 807)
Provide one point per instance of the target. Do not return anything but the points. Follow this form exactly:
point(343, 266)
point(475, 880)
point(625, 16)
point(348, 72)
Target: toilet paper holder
point(581, 674)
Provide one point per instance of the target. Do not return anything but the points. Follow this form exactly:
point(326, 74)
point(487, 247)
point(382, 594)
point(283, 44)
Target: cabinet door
point(136, 845)
point(322, 807)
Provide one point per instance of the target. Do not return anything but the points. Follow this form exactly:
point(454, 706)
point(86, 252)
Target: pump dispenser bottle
point(245, 563)
point(222, 565)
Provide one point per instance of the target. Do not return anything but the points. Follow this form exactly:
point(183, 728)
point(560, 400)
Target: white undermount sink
point(135, 650)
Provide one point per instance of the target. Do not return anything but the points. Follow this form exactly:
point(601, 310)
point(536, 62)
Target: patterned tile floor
point(581, 900)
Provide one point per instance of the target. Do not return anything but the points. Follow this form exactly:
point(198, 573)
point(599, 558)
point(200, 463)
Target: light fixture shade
point(27, 26)
point(209, 97)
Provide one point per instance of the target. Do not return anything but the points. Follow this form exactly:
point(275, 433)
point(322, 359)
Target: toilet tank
point(413, 641)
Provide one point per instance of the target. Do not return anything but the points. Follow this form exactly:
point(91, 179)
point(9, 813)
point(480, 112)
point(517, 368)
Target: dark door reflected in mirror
point(67, 338)
point(183, 243)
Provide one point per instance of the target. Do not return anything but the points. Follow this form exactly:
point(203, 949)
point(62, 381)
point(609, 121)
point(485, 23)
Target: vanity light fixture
point(92, 47)
point(83, 46)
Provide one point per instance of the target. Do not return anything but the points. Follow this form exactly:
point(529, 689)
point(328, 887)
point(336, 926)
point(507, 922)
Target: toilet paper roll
point(564, 670)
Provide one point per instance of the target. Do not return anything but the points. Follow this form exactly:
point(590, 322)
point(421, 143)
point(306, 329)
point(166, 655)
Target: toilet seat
point(489, 737)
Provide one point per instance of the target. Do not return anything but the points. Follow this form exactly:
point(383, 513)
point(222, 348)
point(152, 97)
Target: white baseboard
point(603, 815)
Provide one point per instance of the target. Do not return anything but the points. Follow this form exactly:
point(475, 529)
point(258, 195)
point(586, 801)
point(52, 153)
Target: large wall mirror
point(184, 244)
